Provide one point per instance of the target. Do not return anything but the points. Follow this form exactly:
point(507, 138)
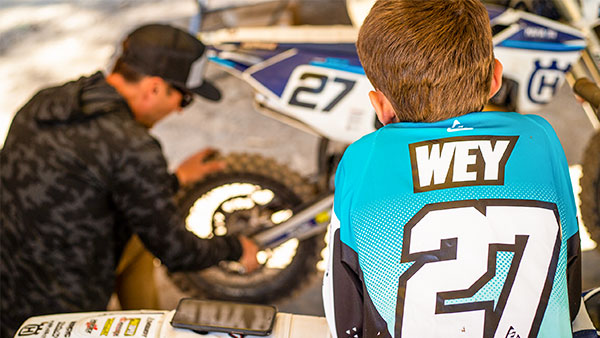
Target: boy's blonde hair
point(432, 59)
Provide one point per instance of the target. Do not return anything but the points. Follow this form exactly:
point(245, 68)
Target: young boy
point(448, 221)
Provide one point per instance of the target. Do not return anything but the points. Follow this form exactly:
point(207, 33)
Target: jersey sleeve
point(342, 296)
point(348, 308)
point(569, 222)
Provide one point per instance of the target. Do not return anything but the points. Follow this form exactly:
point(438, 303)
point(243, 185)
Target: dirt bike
point(310, 77)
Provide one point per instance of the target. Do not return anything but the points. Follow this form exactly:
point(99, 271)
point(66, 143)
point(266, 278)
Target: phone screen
point(221, 316)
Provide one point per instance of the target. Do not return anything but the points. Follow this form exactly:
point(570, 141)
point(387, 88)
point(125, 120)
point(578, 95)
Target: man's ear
point(150, 89)
point(146, 86)
point(496, 78)
point(383, 107)
point(155, 84)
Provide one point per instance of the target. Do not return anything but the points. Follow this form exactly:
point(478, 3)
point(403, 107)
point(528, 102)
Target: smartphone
point(221, 316)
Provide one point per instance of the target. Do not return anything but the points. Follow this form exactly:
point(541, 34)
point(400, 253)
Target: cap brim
point(207, 90)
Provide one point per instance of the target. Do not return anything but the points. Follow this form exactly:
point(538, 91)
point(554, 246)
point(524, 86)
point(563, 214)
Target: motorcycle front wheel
point(252, 194)
point(590, 188)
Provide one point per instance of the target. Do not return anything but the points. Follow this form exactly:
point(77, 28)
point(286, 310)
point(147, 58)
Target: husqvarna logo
point(544, 81)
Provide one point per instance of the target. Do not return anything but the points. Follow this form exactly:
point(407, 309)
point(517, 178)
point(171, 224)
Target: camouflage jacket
point(79, 175)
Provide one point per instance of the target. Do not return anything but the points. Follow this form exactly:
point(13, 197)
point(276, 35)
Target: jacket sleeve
point(143, 192)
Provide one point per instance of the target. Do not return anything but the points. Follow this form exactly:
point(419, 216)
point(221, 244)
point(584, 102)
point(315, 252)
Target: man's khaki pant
point(135, 285)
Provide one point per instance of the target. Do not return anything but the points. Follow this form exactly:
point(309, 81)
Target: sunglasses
point(186, 98)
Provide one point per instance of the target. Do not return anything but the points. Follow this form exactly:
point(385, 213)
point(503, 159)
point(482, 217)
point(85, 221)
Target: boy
point(448, 221)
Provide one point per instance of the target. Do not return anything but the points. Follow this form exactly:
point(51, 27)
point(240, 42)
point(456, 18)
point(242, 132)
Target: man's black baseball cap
point(172, 54)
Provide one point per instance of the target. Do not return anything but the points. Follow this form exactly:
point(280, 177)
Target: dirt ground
point(47, 42)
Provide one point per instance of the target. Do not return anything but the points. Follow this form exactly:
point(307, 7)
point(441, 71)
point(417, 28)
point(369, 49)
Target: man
point(81, 175)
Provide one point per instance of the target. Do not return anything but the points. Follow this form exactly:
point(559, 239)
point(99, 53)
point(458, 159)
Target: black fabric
point(574, 283)
point(355, 313)
point(79, 176)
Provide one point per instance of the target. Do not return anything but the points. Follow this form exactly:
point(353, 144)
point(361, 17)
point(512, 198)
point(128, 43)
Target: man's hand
point(248, 259)
point(195, 167)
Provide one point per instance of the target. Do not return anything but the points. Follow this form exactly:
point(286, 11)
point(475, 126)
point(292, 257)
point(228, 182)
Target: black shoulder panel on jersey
point(355, 313)
point(574, 273)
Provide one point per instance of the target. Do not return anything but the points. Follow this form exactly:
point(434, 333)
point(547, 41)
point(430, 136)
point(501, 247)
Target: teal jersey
point(462, 227)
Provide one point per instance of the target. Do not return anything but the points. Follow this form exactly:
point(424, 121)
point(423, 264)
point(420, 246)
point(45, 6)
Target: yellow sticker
point(107, 326)
point(132, 327)
point(322, 217)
